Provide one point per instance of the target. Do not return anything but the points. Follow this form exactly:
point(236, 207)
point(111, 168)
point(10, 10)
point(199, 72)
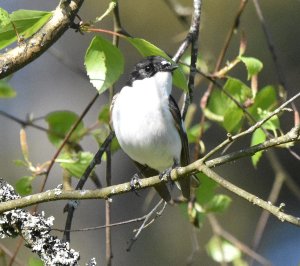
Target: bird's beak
point(171, 67)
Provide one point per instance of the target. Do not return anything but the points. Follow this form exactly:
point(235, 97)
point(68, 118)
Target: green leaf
point(23, 185)
point(194, 132)
point(265, 99)
point(4, 18)
point(238, 90)
point(21, 163)
point(264, 103)
point(206, 190)
point(232, 119)
point(35, 262)
point(146, 48)
point(75, 163)
point(253, 65)
point(6, 91)
point(222, 109)
point(26, 23)
point(104, 63)
point(218, 203)
point(220, 250)
point(257, 137)
point(217, 106)
point(60, 123)
point(104, 114)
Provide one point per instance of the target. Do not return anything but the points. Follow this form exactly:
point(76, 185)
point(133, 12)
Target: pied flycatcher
point(148, 124)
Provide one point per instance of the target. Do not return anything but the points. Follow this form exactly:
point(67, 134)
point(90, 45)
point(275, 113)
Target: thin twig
point(252, 128)
point(192, 38)
point(241, 246)
point(278, 67)
point(100, 227)
point(271, 45)
point(205, 98)
point(70, 207)
point(144, 224)
point(181, 12)
point(64, 142)
point(280, 177)
point(9, 254)
point(108, 244)
point(67, 137)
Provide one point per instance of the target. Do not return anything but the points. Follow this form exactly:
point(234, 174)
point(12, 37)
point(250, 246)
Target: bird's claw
point(135, 183)
point(166, 175)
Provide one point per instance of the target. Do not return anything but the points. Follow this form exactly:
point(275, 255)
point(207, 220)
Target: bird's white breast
point(143, 123)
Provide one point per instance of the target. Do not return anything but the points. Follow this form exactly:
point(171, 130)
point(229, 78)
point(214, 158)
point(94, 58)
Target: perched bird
point(148, 124)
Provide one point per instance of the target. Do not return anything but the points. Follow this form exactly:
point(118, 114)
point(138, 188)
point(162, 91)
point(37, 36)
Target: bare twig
point(180, 11)
point(229, 237)
point(147, 220)
point(206, 95)
point(191, 39)
point(70, 207)
point(9, 254)
point(271, 45)
point(280, 175)
point(108, 244)
point(252, 128)
point(67, 137)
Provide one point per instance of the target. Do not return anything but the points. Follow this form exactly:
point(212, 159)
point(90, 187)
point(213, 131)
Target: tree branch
point(193, 168)
point(32, 48)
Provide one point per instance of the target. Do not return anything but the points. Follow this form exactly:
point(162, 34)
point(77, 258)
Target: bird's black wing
point(161, 188)
point(185, 157)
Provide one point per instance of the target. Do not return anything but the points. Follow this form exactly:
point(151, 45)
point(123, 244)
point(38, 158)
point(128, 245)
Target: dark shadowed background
point(57, 81)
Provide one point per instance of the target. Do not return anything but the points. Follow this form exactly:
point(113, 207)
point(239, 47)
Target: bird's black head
point(149, 66)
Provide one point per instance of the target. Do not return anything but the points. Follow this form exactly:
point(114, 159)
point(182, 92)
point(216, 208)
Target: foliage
point(20, 24)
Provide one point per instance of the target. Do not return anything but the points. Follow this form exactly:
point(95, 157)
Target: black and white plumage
point(148, 124)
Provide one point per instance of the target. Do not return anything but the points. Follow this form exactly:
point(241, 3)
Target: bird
point(148, 124)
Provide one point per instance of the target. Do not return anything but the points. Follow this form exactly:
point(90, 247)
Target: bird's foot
point(166, 174)
point(135, 183)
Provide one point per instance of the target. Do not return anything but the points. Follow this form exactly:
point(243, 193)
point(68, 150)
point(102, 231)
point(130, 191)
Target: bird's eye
point(148, 68)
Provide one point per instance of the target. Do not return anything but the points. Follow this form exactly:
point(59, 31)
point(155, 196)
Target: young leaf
point(75, 163)
point(232, 119)
point(6, 91)
point(217, 106)
point(23, 185)
point(238, 90)
point(146, 48)
point(221, 250)
point(26, 23)
point(104, 63)
point(218, 203)
point(206, 190)
point(104, 115)
point(194, 132)
point(258, 137)
point(253, 65)
point(4, 18)
point(220, 104)
point(265, 99)
point(59, 123)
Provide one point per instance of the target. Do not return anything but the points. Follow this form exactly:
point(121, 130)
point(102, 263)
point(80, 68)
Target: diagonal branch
point(182, 172)
point(32, 48)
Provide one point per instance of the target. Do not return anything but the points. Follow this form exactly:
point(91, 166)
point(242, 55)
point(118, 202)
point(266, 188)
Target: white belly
point(145, 129)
